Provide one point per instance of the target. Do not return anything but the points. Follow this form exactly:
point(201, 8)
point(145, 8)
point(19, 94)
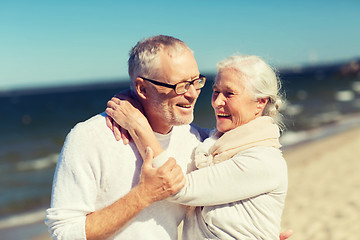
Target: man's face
point(166, 108)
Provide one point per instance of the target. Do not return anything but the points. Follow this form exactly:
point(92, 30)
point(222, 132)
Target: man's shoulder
point(92, 128)
point(202, 132)
point(91, 124)
point(94, 135)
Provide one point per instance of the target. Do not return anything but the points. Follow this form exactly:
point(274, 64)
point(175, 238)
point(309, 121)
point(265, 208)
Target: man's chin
point(183, 121)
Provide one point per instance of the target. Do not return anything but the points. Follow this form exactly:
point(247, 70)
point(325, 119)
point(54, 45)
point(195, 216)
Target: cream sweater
point(243, 197)
point(94, 170)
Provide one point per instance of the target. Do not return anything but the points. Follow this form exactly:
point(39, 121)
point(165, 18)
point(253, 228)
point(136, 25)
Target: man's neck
point(160, 128)
point(157, 125)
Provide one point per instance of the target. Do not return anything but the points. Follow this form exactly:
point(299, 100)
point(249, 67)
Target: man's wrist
point(142, 197)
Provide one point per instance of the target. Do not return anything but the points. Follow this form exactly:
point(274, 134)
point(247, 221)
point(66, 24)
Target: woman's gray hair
point(261, 80)
point(143, 60)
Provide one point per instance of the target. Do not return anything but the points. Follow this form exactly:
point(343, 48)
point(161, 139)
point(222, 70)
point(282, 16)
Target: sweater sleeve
point(250, 173)
point(74, 187)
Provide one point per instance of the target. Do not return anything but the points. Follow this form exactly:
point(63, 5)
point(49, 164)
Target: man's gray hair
point(143, 60)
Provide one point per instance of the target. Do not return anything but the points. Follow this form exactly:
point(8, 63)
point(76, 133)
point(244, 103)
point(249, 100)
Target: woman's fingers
point(116, 130)
point(109, 122)
point(124, 135)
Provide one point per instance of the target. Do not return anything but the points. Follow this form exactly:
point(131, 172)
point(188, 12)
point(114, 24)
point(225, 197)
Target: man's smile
point(184, 105)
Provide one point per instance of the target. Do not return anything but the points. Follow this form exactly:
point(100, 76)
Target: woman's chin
point(223, 128)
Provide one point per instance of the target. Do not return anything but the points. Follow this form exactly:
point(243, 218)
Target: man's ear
point(261, 103)
point(140, 87)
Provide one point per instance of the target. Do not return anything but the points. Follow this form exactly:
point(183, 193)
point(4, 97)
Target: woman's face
point(233, 104)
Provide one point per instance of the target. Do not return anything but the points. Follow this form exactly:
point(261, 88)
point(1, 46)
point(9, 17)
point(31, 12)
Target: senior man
point(97, 190)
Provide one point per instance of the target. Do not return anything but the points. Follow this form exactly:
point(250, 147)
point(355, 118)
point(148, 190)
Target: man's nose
point(192, 92)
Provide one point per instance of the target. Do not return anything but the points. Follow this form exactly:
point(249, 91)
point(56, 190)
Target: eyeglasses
point(182, 87)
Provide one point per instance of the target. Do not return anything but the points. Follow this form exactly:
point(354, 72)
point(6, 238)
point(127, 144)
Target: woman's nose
point(218, 100)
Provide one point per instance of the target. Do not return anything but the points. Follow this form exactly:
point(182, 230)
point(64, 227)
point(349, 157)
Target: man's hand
point(286, 234)
point(155, 184)
point(159, 183)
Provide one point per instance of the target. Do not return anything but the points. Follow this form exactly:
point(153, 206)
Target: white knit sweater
point(240, 198)
point(94, 170)
point(243, 197)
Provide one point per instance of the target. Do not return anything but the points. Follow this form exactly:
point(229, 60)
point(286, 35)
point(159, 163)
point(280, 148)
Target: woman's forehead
point(229, 79)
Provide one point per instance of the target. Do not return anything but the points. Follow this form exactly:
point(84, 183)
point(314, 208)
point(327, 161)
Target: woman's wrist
point(139, 124)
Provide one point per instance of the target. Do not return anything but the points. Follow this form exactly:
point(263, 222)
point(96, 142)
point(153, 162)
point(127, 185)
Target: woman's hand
point(286, 234)
point(126, 120)
point(124, 114)
point(119, 132)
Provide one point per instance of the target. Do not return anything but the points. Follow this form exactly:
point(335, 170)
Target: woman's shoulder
point(268, 156)
point(267, 160)
point(263, 150)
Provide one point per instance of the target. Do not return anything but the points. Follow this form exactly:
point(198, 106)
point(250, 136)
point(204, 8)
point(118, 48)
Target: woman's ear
point(261, 103)
point(140, 87)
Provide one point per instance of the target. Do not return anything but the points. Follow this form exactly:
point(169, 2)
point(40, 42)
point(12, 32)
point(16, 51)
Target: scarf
point(262, 131)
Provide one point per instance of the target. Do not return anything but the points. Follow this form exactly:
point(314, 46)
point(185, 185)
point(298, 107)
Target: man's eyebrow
point(191, 78)
point(196, 76)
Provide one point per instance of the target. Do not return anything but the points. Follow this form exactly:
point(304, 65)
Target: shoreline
point(291, 139)
point(28, 225)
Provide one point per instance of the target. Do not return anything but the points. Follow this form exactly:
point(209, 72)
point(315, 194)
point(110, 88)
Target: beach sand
point(323, 201)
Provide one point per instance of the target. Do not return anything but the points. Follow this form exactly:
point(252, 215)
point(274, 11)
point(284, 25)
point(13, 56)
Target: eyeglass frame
point(173, 86)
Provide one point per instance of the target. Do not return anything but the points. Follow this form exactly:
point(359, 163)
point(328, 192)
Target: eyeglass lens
point(183, 87)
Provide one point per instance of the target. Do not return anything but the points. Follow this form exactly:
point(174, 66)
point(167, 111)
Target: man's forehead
point(179, 67)
point(174, 53)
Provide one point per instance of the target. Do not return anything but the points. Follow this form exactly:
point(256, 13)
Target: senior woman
point(241, 181)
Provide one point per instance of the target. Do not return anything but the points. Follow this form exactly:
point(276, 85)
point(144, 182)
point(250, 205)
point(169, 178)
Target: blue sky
point(44, 43)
